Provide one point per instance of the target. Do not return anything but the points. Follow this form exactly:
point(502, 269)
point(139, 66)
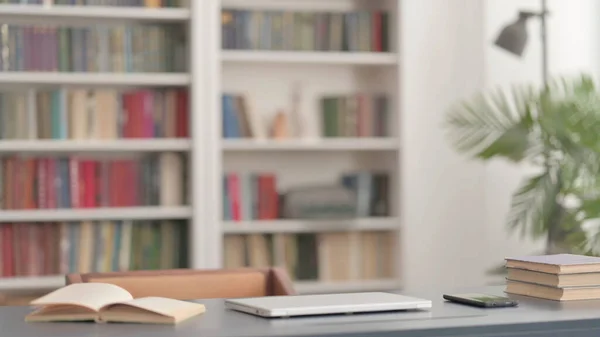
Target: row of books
point(358, 115)
point(135, 48)
point(35, 249)
point(248, 196)
point(337, 256)
point(371, 190)
point(254, 196)
point(94, 114)
point(118, 3)
point(359, 31)
point(74, 182)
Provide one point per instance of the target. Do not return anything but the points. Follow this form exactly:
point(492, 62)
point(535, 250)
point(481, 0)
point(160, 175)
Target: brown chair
point(189, 284)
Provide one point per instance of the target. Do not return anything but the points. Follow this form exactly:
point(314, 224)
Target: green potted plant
point(556, 131)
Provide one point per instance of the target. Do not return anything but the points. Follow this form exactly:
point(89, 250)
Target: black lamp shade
point(513, 38)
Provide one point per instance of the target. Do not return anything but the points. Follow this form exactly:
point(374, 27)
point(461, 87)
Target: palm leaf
point(533, 205)
point(492, 125)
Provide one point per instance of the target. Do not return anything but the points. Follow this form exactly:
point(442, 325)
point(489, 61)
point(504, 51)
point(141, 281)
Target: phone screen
point(483, 298)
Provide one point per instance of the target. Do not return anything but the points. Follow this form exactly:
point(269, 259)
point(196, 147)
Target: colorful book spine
point(358, 31)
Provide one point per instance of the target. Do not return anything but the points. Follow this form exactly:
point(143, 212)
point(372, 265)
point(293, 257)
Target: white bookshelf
point(40, 79)
point(310, 226)
point(86, 146)
point(91, 15)
point(311, 145)
point(331, 58)
point(113, 213)
point(267, 79)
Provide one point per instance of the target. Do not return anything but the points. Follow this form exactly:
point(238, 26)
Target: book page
point(90, 295)
point(163, 306)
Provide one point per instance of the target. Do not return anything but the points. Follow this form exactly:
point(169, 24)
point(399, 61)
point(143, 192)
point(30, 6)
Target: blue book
point(117, 245)
point(230, 121)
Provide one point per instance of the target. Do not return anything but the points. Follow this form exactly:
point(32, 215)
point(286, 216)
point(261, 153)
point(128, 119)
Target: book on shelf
point(104, 114)
point(116, 3)
point(238, 121)
point(354, 31)
point(254, 196)
point(250, 196)
point(327, 257)
point(37, 249)
point(80, 182)
point(103, 302)
point(119, 48)
point(371, 190)
point(359, 115)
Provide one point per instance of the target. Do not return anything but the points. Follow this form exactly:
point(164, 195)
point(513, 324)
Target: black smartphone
point(482, 300)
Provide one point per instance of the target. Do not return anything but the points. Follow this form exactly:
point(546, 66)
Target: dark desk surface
point(533, 317)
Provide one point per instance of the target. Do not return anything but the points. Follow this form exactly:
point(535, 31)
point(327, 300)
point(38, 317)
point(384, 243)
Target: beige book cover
point(103, 302)
point(171, 183)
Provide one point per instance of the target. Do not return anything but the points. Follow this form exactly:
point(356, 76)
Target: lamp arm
point(544, 42)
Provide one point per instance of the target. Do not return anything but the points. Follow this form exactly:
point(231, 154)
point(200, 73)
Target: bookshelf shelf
point(309, 57)
point(348, 144)
point(121, 145)
point(94, 79)
point(124, 213)
point(32, 283)
point(316, 287)
point(310, 226)
point(90, 14)
point(303, 287)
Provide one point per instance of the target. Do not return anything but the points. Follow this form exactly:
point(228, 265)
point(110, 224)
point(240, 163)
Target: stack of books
point(560, 277)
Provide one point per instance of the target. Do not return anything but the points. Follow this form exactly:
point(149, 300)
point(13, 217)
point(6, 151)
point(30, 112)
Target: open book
point(103, 302)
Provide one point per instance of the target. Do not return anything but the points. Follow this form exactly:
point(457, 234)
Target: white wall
point(574, 41)
point(442, 193)
point(455, 209)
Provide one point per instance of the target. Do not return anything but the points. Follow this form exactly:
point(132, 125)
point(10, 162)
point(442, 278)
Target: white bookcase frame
point(205, 147)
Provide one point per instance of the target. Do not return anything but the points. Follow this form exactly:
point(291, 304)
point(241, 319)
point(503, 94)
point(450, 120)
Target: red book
point(48, 239)
point(147, 114)
point(88, 182)
point(271, 197)
point(114, 182)
point(23, 261)
point(127, 115)
point(182, 115)
point(263, 200)
point(377, 37)
point(8, 258)
point(137, 114)
point(233, 186)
